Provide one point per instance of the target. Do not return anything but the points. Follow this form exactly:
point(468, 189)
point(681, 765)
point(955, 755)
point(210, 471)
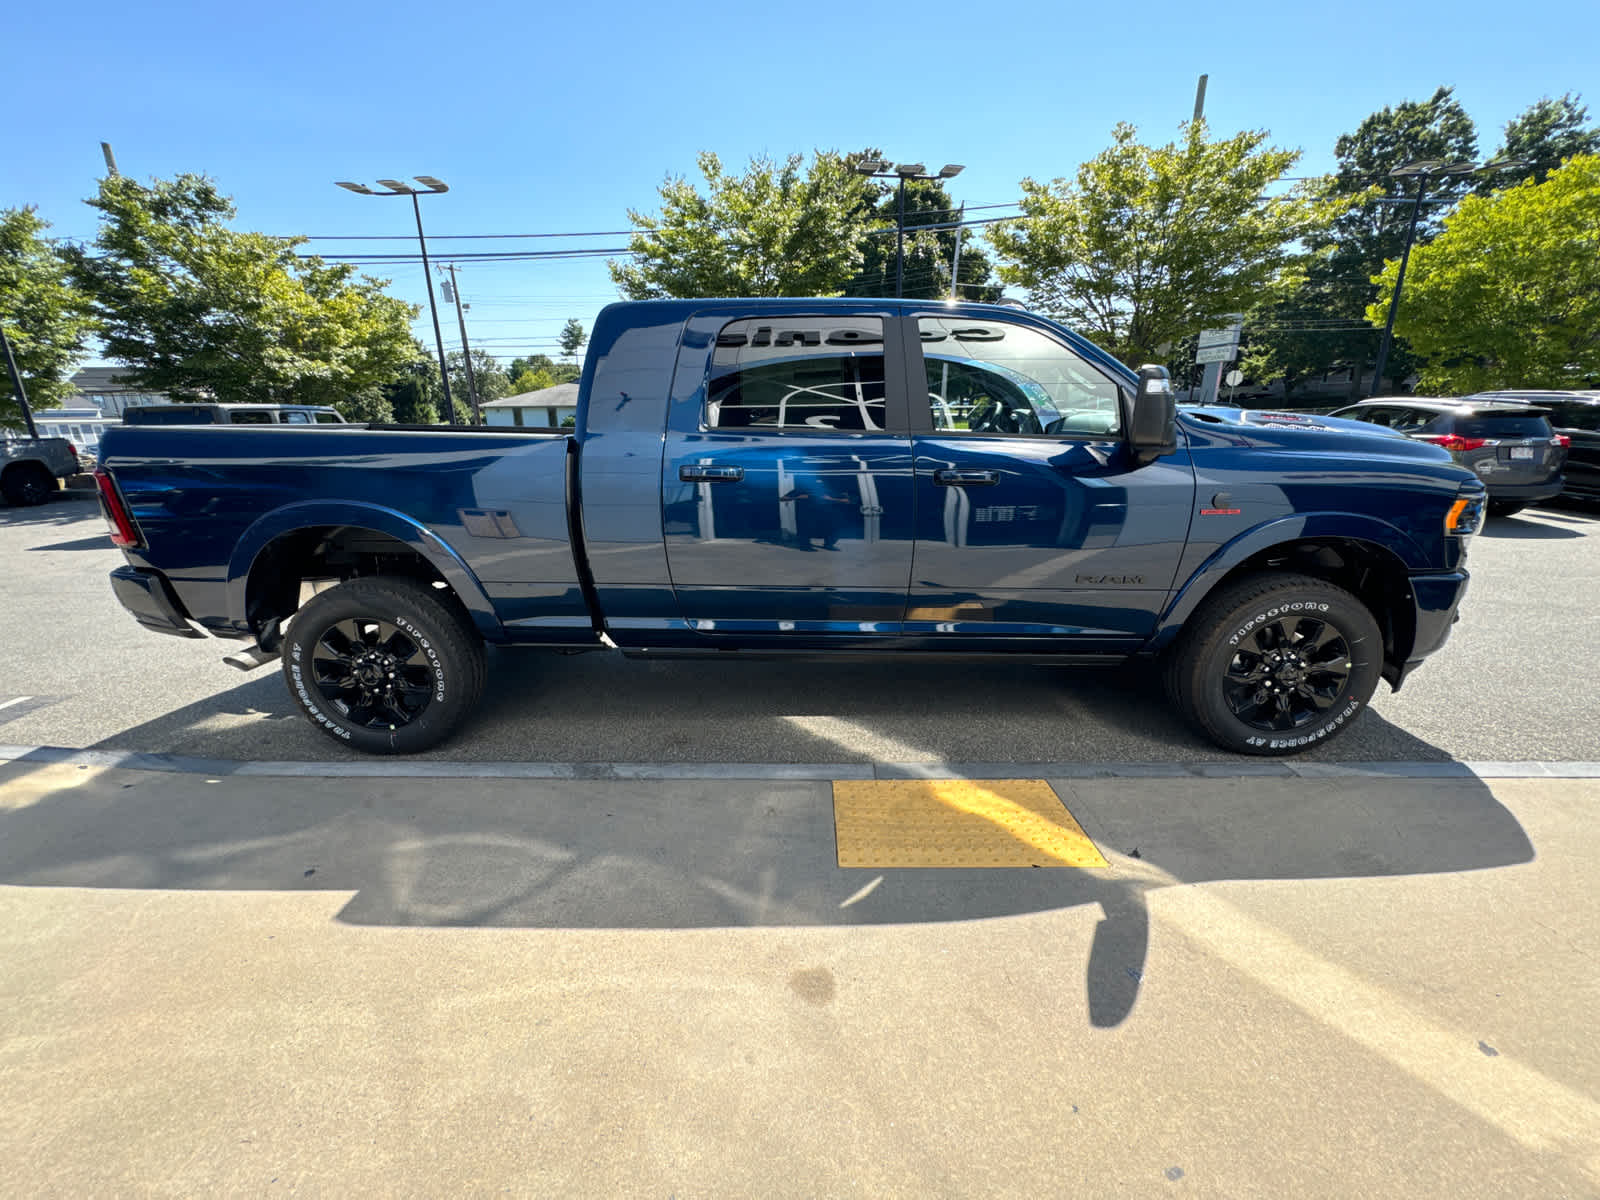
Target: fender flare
point(1381, 535)
point(307, 514)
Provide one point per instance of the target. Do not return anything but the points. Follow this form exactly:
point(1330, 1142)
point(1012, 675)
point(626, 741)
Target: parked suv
point(231, 414)
point(1576, 417)
point(1510, 446)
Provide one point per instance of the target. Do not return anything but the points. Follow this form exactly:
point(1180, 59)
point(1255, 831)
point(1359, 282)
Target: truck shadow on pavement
point(561, 854)
point(603, 709)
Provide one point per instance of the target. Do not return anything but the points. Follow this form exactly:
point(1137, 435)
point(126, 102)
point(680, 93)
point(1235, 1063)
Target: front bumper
point(151, 600)
point(1530, 492)
point(1436, 597)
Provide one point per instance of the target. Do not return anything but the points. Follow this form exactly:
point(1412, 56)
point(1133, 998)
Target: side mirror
point(1153, 424)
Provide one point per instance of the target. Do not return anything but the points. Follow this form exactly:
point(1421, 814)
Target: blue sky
point(558, 118)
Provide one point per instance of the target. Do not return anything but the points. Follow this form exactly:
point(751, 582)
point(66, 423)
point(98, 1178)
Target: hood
point(1310, 432)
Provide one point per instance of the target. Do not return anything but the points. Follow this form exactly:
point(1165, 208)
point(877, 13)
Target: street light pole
point(880, 169)
point(16, 384)
point(432, 187)
point(900, 243)
point(1399, 282)
point(1423, 170)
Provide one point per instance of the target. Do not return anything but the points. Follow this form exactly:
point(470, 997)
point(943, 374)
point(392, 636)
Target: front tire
point(383, 665)
point(1276, 664)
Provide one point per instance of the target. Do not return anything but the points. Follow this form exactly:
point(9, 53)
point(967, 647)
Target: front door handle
point(711, 474)
point(946, 477)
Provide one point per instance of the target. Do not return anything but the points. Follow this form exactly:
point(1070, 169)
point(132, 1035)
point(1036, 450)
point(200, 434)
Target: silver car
point(1510, 446)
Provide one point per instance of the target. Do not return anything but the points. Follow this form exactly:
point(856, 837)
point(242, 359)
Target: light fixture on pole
point(879, 168)
point(430, 187)
point(1423, 170)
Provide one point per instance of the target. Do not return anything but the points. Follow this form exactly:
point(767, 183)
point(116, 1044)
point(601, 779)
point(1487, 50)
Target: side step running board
point(249, 660)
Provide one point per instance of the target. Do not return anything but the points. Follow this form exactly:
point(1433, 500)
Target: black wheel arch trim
point(284, 522)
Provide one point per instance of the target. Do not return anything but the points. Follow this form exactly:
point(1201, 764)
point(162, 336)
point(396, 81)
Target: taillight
point(1454, 442)
point(1561, 440)
point(116, 513)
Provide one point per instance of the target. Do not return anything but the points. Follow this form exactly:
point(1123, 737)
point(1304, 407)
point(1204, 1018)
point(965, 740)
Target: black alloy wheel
point(383, 664)
point(1288, 673)
point(1276, 663)
point(372, 672)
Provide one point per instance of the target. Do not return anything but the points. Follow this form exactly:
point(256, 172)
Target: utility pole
point(16, 385)
point(466, 350)
point(111, 159)
point(1200, 99)
point(955, 265)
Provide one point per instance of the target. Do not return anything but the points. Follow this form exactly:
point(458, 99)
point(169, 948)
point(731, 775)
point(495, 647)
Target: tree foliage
point(572, 337)
point(46, 318)
point(1314, 318)
point(1509, 294)
point(776, 230)
point(538, 372)
point(1543, 135)
point(199, 310)
point(1150, 243)
point(491, 378)
point(414, 394)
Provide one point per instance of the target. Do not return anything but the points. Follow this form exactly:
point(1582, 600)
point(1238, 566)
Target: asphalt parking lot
point(1511, 684)
point(1099, 959)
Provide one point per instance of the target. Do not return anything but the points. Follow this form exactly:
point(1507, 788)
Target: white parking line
point(18, 700)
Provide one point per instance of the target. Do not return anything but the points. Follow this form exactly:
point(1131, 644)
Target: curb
point(129, 760)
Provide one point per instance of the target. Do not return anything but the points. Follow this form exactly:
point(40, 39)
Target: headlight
point(1465, 517)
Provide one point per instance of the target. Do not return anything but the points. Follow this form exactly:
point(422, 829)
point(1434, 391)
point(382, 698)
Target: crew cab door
point(786, 479)
point(1033, 520)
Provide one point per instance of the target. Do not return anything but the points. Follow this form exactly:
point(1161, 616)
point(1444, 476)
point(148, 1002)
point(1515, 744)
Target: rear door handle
point(711, 474)
point(946, 477)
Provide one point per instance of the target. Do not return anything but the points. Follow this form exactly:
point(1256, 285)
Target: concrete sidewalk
point(1279, 985)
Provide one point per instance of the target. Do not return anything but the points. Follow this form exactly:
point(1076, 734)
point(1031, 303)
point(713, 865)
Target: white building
point(548, 408)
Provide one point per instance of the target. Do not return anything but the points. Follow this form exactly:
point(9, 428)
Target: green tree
point(572, 337)
point(776, 230)
point(46, 318)
point(1545, 134)
point(1150, 243)
point(529, 380)
point(540, 371)
point(1315, 319)
point(1509, 294)
point(929, 253)
point(491, 378)
point(199, 310)
point(415, 392)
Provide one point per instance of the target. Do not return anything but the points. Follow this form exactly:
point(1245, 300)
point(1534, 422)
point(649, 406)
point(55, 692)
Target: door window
point(798, 373)
point(998, 378)
point(296, 418)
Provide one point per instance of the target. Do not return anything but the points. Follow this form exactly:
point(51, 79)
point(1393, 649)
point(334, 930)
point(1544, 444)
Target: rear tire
point(1275, 664)
point(1506, 508)
point(383, 665)
point(28, 484)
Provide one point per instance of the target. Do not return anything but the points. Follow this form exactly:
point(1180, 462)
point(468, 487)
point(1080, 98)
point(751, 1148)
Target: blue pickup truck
point(811, 477)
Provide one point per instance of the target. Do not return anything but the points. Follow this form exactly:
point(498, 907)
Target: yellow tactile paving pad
point(957, 823)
